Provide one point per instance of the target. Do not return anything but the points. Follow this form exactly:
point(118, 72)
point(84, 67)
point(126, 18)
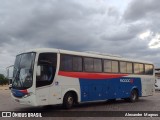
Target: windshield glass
point(23, 71)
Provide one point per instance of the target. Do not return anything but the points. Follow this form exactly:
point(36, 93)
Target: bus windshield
point(23, 71)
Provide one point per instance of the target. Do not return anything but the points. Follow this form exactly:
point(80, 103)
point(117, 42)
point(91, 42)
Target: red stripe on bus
point(86, 75)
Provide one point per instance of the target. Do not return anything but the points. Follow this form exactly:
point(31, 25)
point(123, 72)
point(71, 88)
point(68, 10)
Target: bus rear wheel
point(68, 100)
point(134, 96)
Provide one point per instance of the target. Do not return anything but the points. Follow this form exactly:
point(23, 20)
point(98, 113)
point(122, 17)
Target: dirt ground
point(4, 87)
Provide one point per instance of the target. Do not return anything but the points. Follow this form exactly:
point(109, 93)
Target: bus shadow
point(106, 103)
point(79, 107)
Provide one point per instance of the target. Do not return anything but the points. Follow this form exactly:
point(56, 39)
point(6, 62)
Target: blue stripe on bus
point(92, 90)
point(18, 93)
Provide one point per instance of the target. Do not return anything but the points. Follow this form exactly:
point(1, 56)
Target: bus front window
point(23, 71)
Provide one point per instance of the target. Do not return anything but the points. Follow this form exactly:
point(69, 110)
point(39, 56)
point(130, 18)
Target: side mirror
point(10, 85)
point(38, 72)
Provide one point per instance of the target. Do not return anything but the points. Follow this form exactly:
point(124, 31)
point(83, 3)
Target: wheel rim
point(70, 100)
point(134, 96)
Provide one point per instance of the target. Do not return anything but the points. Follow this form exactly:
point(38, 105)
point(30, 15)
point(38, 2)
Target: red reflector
point(24, 91)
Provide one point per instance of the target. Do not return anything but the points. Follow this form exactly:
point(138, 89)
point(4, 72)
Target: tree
point(3, 80)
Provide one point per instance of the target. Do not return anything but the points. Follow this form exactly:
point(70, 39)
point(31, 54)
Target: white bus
point(53, 76)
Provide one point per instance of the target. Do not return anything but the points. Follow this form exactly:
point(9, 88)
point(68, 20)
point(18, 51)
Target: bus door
point(96, 92)
point(46, 68)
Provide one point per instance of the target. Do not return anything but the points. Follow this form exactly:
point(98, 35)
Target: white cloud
point(155, 41)
point(145, 35)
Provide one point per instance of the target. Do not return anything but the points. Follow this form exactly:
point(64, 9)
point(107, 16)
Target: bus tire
point(68, 100)
point(134, 96)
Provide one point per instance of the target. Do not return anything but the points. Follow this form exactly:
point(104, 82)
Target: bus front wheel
point(68, 100)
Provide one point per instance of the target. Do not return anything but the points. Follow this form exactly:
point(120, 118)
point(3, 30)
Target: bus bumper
point(30, 100)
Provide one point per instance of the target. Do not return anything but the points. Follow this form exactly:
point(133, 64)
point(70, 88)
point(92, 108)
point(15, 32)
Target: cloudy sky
point(130, 28)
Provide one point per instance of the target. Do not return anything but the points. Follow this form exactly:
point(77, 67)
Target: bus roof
point(88, 54)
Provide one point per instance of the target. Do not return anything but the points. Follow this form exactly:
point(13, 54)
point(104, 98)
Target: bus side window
point(148, 69)
point(66, 63)
point(71, 63)
point(88, 64)
point(97, 65)
point(123, 67)
point(115, 68)
point(107, 66)
point(141, 68)
point(77, 63)
point(136, 68)
point(129, 67)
